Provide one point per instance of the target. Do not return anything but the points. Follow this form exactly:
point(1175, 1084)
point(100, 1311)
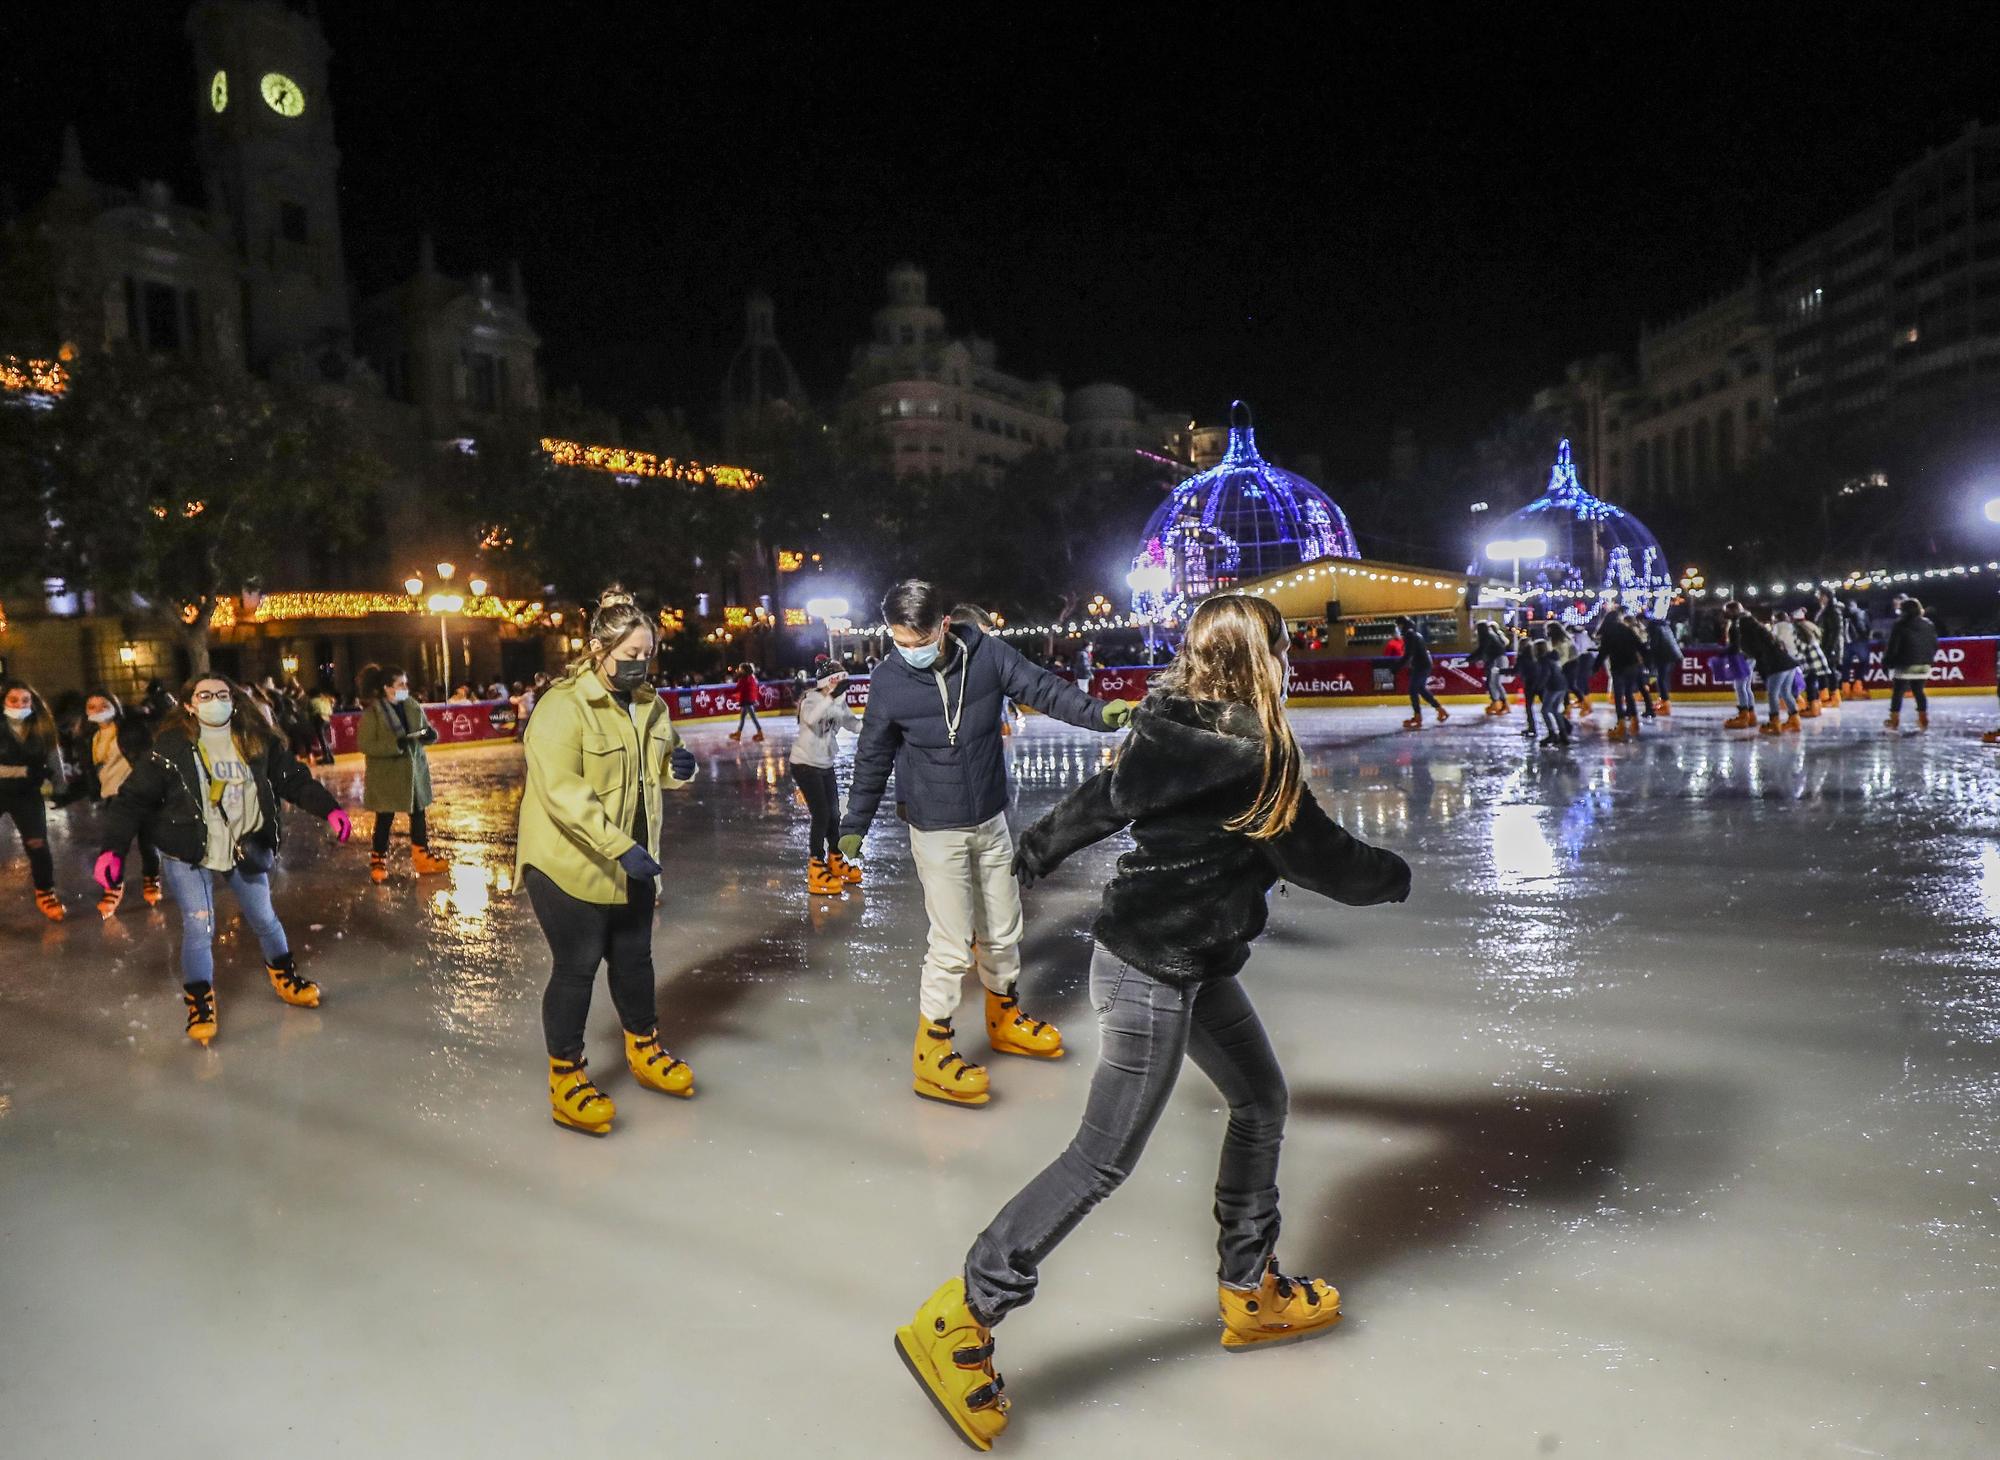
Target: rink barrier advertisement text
point(1962, 665)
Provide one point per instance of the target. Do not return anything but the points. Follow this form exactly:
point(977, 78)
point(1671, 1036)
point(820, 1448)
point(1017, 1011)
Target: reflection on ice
point(1521, 853)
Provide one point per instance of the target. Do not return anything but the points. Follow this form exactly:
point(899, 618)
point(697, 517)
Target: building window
point(292, 222)
point(160, 318)
point(484, 380)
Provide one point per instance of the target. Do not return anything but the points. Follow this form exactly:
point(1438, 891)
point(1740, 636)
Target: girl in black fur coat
point(1211, 785)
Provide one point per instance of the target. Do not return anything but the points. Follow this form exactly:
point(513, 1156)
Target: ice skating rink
point(1661, 1122)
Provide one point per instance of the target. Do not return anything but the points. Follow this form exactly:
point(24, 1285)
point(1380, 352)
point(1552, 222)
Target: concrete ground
point(1659, 1123)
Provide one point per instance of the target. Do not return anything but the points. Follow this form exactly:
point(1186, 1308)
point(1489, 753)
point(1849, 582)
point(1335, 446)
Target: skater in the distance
point(934, 717)
point(207, 795)
point(747, 693)
point(30, 758)
point(823, 714)
point(393, 733)
point(1416, 664)
point(119, 740)
point(1213, 789)
point(600, 750)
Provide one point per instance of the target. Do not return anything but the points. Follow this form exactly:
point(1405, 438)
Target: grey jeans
point(1146, 1027)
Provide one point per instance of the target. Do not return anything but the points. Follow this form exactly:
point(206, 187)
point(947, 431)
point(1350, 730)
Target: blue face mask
point(920, 658)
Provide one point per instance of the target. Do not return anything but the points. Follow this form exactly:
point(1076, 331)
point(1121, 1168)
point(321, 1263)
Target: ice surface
point(1659, 1123)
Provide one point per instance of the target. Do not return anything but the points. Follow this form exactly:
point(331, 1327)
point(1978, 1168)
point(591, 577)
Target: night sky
point(1395, 220)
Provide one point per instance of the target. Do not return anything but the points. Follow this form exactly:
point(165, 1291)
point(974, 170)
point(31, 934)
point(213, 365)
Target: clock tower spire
point(268, 160)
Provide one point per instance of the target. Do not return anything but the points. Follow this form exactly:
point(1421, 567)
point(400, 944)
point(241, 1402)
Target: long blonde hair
point(1233, 651)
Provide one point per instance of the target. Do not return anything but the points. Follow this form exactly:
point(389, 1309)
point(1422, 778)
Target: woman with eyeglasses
point(29, 759)
point(600, 750)
point(207, 795)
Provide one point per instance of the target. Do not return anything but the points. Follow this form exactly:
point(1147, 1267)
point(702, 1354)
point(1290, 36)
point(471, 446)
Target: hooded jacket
point(162, 796)
point(1623, 651)
point(945, 780)
point(1762, 648)
point(1190, 896)
point(1913, 646)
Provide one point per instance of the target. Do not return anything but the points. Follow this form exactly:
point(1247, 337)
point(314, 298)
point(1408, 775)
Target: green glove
point(850, 848)
point(1118, 714)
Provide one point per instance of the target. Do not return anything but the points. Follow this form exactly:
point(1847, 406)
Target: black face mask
point(627, 675)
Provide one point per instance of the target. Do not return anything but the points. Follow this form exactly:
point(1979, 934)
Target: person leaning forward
point(934, 716)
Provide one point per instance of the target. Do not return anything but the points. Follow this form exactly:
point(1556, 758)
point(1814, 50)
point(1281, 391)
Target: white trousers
point(974, 906)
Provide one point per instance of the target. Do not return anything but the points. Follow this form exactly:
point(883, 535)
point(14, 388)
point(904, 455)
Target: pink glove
point(109, 871)
point(342, 827)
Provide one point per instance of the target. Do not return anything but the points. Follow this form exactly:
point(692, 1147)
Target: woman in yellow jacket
point(600, 748)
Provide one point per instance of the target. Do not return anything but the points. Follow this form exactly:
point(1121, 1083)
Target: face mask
point(397, 696)
point(923, 657)
point(214, 712)
point(628, 674)
point(20, 714)
point(103, 717)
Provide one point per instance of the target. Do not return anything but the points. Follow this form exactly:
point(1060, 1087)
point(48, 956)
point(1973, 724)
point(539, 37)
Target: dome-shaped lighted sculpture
point(1240, 519)
point(1570, 545)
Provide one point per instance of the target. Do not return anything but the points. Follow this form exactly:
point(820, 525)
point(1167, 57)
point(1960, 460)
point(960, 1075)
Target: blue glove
point(638, 863)
point(682, 763)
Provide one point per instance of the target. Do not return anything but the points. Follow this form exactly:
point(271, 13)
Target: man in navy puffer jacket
point(934, 715)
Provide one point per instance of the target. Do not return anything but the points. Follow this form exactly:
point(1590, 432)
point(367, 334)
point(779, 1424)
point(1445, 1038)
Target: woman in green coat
point(600, 751)
point(394, 731)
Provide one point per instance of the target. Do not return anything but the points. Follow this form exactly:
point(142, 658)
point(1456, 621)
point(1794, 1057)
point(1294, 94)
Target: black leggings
point(420, 830)
point(582, 935)
point(822, 792)
point(31, 820)
point(1896, 688)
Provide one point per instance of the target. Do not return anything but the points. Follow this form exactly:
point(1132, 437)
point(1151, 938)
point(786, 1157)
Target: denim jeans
point(193, 891)
point(1781, 693)
point(1147, 1026)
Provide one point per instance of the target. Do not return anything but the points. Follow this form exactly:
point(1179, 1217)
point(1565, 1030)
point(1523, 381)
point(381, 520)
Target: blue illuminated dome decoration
point(1591, 549)
point(1241, 519)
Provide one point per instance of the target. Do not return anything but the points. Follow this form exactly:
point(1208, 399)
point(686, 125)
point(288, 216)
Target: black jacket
point(1490, 646)
point(1832, 621)
point(43, 760)
point(1619, 647)
point(163, 796)
point(1189, 897)
point(1416, 653)
point(941, 783)
point(1761, 647)
point(1913, 644)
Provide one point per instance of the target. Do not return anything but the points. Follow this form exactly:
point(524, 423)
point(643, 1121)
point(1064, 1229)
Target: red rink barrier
point(1962, 665)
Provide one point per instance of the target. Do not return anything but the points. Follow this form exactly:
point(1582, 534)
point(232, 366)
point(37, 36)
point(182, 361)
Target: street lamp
point(444, 605)
point(445, 570)
point(478, 587)
point(1513, 549)
point(833, 612)
point(1993, 509)
point(1149, 581)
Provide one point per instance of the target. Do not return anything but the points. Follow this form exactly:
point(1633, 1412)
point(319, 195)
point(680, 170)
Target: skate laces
point(289, 977)
point(201, 1007)
point(658, 1052)
point(1286, 1286)
point(581, 1089)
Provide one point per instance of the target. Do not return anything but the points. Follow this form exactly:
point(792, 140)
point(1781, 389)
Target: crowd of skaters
point(1209, 783)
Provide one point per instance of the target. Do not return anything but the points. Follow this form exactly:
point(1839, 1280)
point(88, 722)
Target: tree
point(175, 483)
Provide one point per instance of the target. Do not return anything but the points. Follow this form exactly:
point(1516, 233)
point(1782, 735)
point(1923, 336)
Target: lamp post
point(1513, 549)
point(1149, 581)
point(833, 613)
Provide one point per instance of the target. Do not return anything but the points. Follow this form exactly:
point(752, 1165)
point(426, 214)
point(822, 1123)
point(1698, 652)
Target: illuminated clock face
point(282, 95)
point(218, 91)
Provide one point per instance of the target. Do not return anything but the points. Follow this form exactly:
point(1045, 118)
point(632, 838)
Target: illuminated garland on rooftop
point(622, 461)
point(34, 377)
point(290, 607)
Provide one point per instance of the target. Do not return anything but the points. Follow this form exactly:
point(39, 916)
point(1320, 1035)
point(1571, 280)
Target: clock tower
point(268, 160)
